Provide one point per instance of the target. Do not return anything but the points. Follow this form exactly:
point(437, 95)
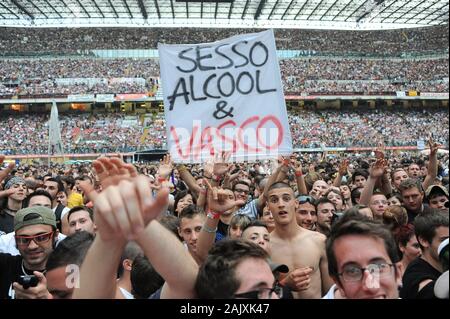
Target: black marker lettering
point(205, 87)
point(202, 67)
point(239, 81)
point(233, 48)
point(230, 64)
point(182, 56)
point(219, 84)
point(258, 89)
point(191, 84)
point(266, 51)
point(184, 92)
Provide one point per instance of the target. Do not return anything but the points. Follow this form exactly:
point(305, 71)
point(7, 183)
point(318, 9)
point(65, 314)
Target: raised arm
point(376, 172)
point(433, 165)
point(190, 181)
point(341, 173)
point(218, 202)
point(3, 174)
point(301, 185)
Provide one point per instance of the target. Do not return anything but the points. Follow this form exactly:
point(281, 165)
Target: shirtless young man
point(302, 250)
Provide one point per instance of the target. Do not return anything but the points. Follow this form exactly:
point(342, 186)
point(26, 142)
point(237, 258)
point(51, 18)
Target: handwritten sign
point(225, 96)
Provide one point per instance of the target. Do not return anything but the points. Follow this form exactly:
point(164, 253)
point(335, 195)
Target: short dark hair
point(360, 172)
point(425, 224)
point(324, 200)
point(217, 278)
point(190, 212)
point(354, 194)
point(80, 208)
point(71, 250)
point(144, 279)
point(358, 225)
point(240, 182)
point(410, 183)
point(279, 185)
point(403, 235)
point(130, 252)
point(39, 192)
point(255, 223)
point(69, 180)
point(354, 211)
point(58, 181)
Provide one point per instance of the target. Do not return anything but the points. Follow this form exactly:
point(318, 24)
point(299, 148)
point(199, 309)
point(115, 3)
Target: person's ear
point(179, 232)
point(399, 270)
point(339, 285)
point(127, 264)
point(423, 242)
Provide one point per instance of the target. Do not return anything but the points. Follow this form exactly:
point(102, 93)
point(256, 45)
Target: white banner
point(225, 96)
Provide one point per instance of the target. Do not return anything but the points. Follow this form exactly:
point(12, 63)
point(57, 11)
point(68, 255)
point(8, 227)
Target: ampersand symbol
point(221, 109)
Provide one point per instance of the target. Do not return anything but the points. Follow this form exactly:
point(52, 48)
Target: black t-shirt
point(418, 271)
point(6, 222)
point(412, 215)
point(10, 270)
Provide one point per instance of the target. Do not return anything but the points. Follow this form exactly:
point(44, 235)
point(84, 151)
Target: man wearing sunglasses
point(35, 235)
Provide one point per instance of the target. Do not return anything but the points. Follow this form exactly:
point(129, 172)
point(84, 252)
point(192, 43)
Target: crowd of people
point(19, 41)
point(300, 227)
point(105, 133)
point(47, 77)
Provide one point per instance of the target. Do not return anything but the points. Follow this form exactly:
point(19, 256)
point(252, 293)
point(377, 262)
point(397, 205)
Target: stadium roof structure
point(311, 14)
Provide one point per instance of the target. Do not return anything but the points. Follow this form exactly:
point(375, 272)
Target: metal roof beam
point(261, 5)
point(273, 9)
point(231, 10)
point(312, 12)
point(53, 8)
point(299, 11)
point(245, 9)
point(334, 3)
point(10, 11)
point(384, 9)
point(289, 6)
point(142, 8)
point(401, 7)
point(217, 9)
point(101, 12)
point(201, 9)
point(357, 9)
point(22, 8)
point(114, 9)
point(128, 8)
point(446, 5)
point(65, 4)
point(84, 9)
point(342, 10)
point(173, 10)
point(157, 9)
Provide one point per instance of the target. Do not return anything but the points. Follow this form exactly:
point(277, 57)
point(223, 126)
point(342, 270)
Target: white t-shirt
point(8, 243)
point(330, 293)
point(126, 294)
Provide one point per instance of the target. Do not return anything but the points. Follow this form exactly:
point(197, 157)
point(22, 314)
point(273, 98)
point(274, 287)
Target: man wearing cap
point(35, 234)
point(16, 190)
point(437, 197)
point(419, 278)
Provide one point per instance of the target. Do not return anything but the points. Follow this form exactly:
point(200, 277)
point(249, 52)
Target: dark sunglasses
point(306, 199)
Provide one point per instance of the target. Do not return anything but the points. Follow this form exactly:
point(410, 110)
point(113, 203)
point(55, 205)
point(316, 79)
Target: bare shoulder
point(312, 235)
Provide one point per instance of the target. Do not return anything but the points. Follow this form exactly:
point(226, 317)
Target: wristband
point(209, 230)
point(161, 180)
point(217, 178)
point(298, 173)
point(213, 215)
point(207, 177)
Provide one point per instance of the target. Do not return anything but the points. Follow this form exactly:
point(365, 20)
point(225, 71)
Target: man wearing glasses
point(35, 235)
point(363, 260)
